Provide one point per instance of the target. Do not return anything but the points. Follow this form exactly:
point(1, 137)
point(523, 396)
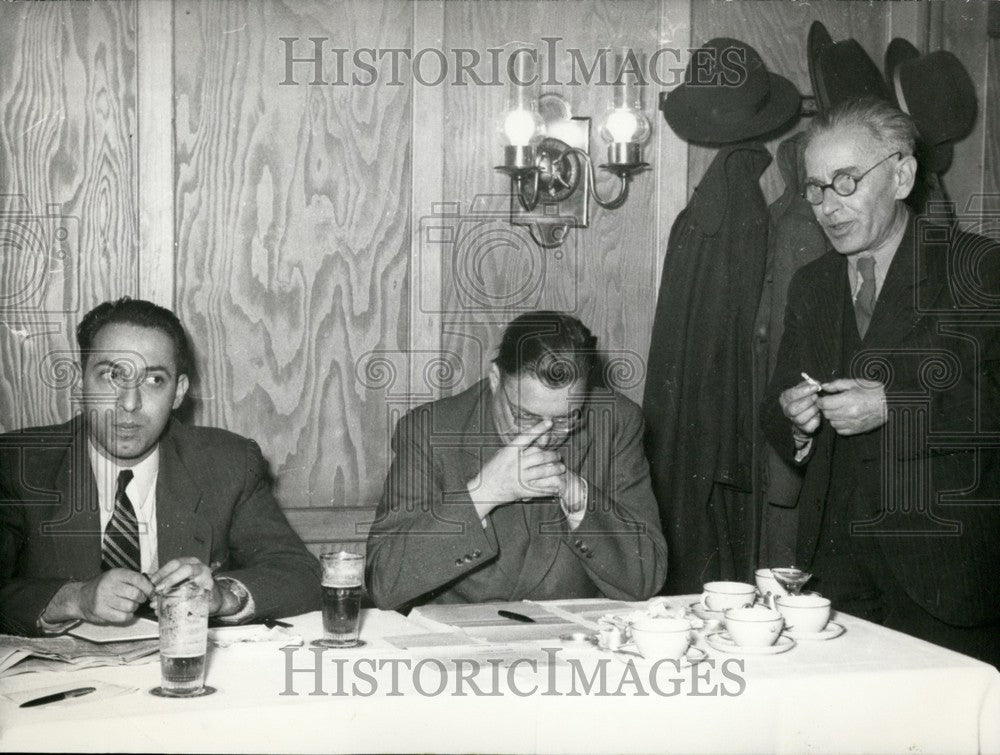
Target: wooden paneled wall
point(68, 219)
point(150, 148)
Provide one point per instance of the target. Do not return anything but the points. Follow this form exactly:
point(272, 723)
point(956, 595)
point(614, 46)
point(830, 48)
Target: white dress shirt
point(141, 491)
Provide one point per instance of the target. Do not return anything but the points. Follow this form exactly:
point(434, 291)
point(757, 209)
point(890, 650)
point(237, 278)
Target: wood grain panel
point(778, 32)
point(293, 237)
point(963, 32)
point(605, 273)
point(68, 215)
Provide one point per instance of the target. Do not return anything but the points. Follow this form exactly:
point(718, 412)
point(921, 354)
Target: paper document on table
point(138, 628)
point(483, 614)
point(102, 691)
point(483, 621)
point(432, 640)
point(68, 653)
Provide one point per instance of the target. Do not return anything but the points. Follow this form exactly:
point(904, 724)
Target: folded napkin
point(225, 636)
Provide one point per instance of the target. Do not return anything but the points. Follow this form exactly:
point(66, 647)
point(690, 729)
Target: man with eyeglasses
point(101, 513)
point(885, 393)
point(530, 484)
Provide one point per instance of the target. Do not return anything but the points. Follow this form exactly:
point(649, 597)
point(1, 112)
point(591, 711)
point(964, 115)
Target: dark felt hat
point(841, 70)
point(729, 96)
point(934, 88)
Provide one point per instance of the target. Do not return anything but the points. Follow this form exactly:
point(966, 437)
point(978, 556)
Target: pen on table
point(516, 616)
point(58, 696)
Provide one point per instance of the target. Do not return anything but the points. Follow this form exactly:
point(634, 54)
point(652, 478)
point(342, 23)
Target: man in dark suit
point(530, 484)
point(885, 393)
point(100, 513)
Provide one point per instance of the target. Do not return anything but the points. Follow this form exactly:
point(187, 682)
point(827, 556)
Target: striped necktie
point(121, 536)
point(864, 302)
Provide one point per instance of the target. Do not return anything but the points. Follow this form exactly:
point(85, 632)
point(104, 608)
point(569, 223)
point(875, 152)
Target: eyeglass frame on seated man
point(842, 174)
point(566, 424)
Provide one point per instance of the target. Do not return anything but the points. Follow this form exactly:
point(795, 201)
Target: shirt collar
point(883, 256)
point(106, 474)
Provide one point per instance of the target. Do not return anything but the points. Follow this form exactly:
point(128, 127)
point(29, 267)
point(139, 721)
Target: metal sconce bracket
point(553, 180)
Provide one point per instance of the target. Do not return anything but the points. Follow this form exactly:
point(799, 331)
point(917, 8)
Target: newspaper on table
point(19, 655)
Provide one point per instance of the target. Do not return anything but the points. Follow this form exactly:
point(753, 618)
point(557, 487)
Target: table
point(870, 690)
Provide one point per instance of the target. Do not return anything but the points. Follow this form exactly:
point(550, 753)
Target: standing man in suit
point(530, 484)
point(100, 513)
point(895, 425)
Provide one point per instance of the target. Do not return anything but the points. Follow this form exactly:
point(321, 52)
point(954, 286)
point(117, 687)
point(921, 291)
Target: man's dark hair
point(145, 314)
point(552, 346)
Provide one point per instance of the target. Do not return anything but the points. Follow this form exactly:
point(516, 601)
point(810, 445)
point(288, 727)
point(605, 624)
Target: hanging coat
point(698, 402)
point(795, 238)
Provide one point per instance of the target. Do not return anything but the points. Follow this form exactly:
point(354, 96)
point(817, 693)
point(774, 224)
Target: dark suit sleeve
point(791, 362)
point(424, 537)
point(266, 555)
point(620, 541)
point(22, 599)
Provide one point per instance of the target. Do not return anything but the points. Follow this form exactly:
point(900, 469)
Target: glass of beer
point(343, 576)
point(183, 622)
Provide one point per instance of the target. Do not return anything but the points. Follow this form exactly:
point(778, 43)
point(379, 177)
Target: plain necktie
point(121, 536)
point(864, 302)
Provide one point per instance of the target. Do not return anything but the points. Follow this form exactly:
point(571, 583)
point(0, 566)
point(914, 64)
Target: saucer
point(690, 658)
point(722, 641)
point(832, 630)
point(706, 614)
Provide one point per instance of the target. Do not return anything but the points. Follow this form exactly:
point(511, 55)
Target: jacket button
point(578, 542)
point(458, 562)
point(477, 553)
point(468, 558)
point(590, 554)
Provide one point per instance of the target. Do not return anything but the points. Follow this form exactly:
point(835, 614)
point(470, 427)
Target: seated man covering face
point(99, 513)
point(530, 484)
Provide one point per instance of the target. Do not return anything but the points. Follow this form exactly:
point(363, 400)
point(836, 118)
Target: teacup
point(767, 584)
point(660, 637)
point(804, 613)
point(719, 596)
point(754, 627)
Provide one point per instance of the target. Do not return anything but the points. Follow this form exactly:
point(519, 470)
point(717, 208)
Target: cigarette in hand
point(813, 382)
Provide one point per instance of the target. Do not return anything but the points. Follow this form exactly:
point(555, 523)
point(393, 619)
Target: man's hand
point(110, 598)
point(800, 404)
point(518, 470)
point(854, 406)
point(190, 568)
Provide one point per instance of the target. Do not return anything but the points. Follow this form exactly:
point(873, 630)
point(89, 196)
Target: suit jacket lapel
point(829, 292)
point(181, 531)
point(79, 528)
point(896, 310)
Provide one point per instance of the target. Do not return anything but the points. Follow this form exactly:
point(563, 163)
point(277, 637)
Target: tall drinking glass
point(183, 622)
point(343, 577)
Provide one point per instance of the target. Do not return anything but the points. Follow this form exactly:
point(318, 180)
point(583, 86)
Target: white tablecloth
point(870, 690)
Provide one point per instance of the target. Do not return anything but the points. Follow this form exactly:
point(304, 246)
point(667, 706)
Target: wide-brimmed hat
point(934, 88)
point(841, 71)
point(729, 96)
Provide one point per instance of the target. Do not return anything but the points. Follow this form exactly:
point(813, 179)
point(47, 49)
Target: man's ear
point(906, 176)
point(494, 376)
point(181, 390)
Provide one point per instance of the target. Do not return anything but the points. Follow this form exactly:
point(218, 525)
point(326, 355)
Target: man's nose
point(129, 397)
point(831, 201)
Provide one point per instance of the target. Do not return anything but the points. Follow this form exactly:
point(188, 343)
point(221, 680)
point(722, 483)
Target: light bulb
point(624, 124)
point(522, 127)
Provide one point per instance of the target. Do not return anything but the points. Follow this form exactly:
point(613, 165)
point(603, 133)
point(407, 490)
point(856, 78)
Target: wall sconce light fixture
point(546, 150)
